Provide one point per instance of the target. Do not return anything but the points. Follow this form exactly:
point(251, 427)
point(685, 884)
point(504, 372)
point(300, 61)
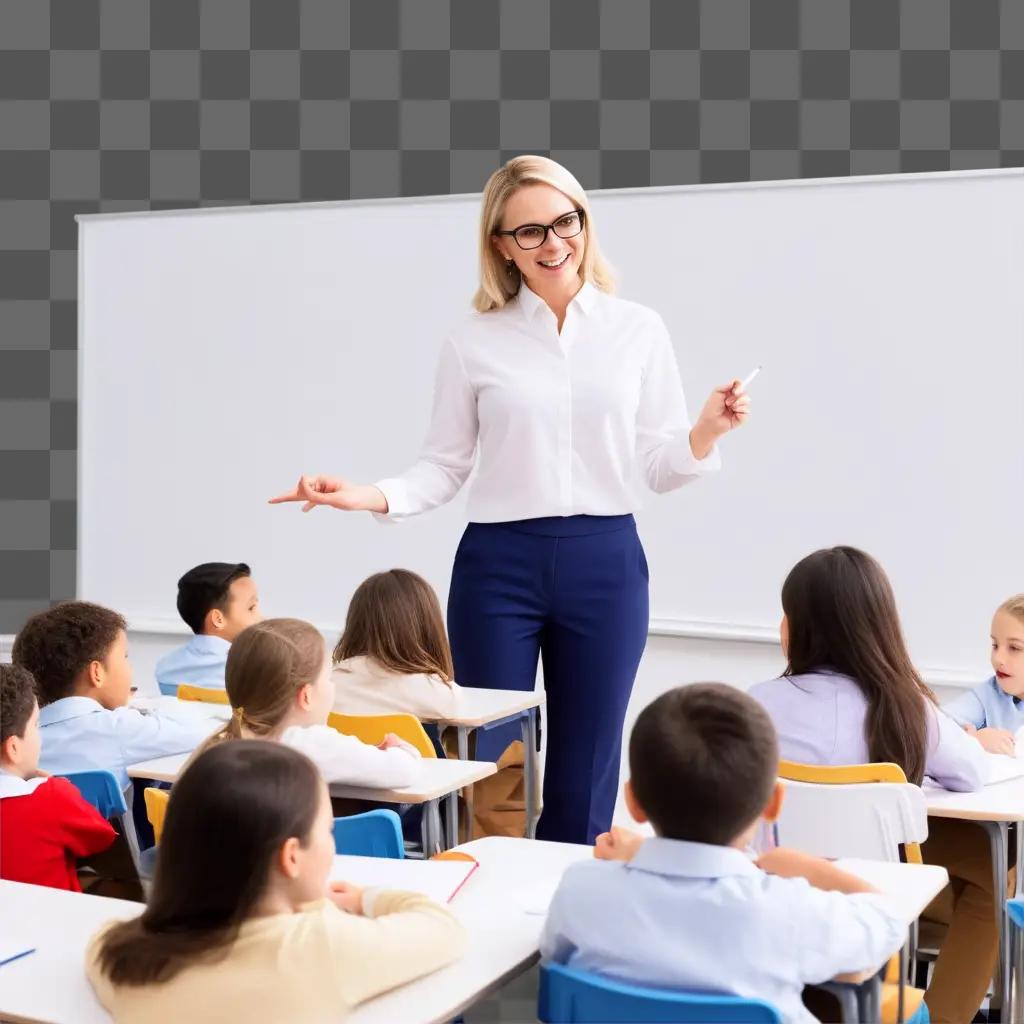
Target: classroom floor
point(516, 1003)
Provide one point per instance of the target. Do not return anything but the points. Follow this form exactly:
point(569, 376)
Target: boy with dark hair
point(77, 653)
point(217, 600)
point(45, 824)
point(689, 909)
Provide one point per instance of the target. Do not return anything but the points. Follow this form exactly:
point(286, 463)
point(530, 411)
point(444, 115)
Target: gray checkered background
point(153, 104)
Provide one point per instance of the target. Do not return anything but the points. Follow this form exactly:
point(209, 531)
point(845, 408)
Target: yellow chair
point(202, 694)
point(850, 774)
point(373, 729)
point(156, 809)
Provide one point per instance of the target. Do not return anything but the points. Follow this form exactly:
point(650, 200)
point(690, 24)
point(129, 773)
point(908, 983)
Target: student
point(994, 710)
point(78, 655)
point(45, 824)
point(217, 600)
point(393, 655)
point(850, 694)
point(278, 682)
point(689, 909)
point(242, 923)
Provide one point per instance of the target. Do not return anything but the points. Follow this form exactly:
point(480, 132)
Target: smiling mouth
point(554, 264)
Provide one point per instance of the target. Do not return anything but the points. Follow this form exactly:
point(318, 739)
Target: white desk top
point(479, 707)
point(495, 906)
point(1002, 801)
point(438, 777)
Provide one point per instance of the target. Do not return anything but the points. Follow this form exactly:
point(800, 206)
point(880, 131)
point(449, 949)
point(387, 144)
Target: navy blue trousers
point(572, 591)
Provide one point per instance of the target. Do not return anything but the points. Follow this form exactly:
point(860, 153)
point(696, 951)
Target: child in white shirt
point(393, 655)
point(278, 681)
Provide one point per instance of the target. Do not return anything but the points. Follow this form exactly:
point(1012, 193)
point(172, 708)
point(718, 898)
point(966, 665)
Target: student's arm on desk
point(147, 737)
point(840, 926)
point(955, 760)
point(347, 760)
point(400, 936)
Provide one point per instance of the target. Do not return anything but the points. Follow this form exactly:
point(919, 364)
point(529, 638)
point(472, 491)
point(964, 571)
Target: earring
point(510, 267)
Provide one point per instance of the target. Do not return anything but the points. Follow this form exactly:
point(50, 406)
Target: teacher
point(562, 396)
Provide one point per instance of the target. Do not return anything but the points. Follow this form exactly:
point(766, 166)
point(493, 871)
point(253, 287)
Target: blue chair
point(568, 996)
point(99, 788)
point(372, 834)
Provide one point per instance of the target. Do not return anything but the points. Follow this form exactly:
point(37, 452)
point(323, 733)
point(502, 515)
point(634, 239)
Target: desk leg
point(997, 832)
point(463, 735)
point(451, 837)
point(530, 766)
point(430, 829)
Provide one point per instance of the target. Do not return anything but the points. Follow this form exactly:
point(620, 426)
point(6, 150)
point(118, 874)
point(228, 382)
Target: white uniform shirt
point(707, 919)
point(558, 424)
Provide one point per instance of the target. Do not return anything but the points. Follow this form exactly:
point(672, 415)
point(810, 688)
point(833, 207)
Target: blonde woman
point(560, 394)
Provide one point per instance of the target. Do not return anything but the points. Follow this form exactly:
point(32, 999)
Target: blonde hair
point(498, 283)
point(395, 618)
point(267, 665)
point(1014, 606)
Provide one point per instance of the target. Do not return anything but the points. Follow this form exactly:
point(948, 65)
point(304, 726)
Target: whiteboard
point(225, 351)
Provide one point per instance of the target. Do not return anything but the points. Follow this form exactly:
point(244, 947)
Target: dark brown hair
point(842, 616)
point(17, 699)
point(703, 760)
point(395, 618)
point(56, 646)
point(229, 814)
point(267, 665)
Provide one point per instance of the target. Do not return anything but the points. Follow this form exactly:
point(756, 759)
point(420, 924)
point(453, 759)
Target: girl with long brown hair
point(278, 681)
point(242, 923)
point(393, 655)
point(850, 694)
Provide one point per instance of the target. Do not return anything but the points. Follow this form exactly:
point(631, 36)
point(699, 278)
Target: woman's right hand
point(335, 492)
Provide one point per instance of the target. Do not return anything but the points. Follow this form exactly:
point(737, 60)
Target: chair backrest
point(372, 834)
point(156, 809)
point(373, 728)
point(203, 694)
point(870, 820)
point(99, 788)
point(1015, 908)
point(569, 996)
point(841, 774)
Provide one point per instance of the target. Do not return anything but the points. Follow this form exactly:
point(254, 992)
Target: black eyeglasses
point(533, 236)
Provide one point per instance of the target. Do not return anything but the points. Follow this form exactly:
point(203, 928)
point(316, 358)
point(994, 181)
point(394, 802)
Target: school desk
point(439, 779)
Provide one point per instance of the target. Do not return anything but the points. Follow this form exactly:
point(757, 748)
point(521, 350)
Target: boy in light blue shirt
point(217, 600)
point(994, 710)
point(78, 654)
point(689, 909)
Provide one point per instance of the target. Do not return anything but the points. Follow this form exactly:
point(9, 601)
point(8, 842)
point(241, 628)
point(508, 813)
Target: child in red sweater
point(45, 824)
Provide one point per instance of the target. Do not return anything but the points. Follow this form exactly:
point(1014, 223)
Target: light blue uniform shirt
point(200, 662)
point(79, 734)
point(706, 919)
point(987, 706)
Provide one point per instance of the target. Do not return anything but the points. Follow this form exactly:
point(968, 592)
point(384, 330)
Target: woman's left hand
point(726, 409)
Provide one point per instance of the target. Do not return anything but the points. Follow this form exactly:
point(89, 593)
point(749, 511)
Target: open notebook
point(438, 879)
point(1002, 767)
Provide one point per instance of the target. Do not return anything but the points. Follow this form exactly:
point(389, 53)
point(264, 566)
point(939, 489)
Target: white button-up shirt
point(558, 424)
point(706, 919)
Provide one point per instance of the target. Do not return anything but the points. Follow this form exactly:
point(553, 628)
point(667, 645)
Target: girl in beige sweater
point(242, 923)
point(393, 655)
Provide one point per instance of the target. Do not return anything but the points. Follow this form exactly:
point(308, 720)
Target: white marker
point(749, 377)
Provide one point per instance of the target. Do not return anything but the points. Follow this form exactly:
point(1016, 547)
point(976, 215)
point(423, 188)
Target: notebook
point(1001, 767)
point(441, 880)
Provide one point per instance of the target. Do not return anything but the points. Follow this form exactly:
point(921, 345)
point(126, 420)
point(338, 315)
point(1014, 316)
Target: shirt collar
point(680, 859)
point(529, 301)
point(14, 785)
point(209, 644)
point(67, 707)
